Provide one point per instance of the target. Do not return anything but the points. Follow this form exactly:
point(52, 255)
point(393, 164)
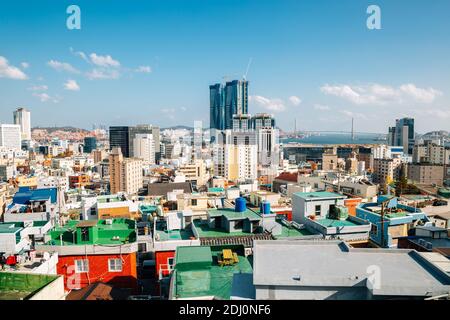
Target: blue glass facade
point(226, 102)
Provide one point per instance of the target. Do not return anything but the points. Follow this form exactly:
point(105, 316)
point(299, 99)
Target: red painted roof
point(287, 176)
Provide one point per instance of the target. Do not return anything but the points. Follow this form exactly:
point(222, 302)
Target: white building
point(22, 117)
point(10, 136)
point(268, 146)
point(144, 147)
point(236, 155)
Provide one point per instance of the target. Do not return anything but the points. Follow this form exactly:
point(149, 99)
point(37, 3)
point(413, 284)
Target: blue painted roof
point(26, 194)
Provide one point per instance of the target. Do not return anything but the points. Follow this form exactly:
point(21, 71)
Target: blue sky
point(152, 61)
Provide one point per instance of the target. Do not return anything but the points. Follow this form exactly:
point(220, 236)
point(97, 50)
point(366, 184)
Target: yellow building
point(24, 181)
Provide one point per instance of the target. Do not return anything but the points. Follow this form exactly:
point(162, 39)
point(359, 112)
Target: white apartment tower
point(236, 155)
point(22, 117)
point(144, 148)
point(10, 136)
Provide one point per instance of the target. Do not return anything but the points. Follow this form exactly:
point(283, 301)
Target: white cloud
point(434, 112)
point(71, 85)
point(169, 112)
point(276, 105)
point(377, 94)
point(144, 69)
point(9, 71)
point(422, 95)
point(321, 107)
point(62, 66)
point(25, 65)
point(80, 54)
point(103, 61)
point(295, 100)
point(183, 109)
point(351, 114)
point(44, 97)
point(102, 74)
point(38, 88)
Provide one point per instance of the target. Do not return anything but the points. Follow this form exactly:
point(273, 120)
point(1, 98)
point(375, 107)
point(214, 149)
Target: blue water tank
point(265, 207)
point(241, 205)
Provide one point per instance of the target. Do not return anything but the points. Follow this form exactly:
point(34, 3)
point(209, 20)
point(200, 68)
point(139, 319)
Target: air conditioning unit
point(248, 252)
point(109, 221)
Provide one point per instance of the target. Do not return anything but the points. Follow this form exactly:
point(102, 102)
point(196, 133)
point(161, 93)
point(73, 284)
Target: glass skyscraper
point(216, 113)
point(120, 137)
point(403, 134)
point(226, 102)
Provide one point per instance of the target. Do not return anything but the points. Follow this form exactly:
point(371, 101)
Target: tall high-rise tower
point(227, 101)
point(22, 117)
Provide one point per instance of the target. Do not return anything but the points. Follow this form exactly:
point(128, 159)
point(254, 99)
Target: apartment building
point(426, 174)
point(125, 173)
point(235, 155)
point(387, 170)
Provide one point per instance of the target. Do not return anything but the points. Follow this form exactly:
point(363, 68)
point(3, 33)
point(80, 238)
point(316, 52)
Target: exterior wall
point(426, 174)
point(303, 209)
point(98, 270)
point(119, 212)
point(310, 293)
point(161, 262)
point(53, 291)
point(351, 204)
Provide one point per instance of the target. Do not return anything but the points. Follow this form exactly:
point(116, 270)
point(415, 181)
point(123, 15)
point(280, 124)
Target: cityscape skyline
point(331, 70)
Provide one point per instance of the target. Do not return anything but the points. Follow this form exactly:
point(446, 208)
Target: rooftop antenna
point(248, 67)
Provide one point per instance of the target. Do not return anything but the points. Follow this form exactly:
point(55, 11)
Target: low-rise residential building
point(33, 204)
point(426, 174)
point(91, 251)
point(238, 225)
point(195, 173)
point(200, 272)
point(428, 239)
point(333, 270)
point(391, 224)
point(326, 213)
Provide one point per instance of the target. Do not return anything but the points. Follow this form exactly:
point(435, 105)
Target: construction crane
point(248, 68)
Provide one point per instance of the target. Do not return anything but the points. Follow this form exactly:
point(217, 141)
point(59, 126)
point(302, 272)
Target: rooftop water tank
point(241, 205)
point(265, 207)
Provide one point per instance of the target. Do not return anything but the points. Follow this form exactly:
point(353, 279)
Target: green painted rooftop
point(119, 232)
point(291, 232)
point(208, 279)
point(337, 223)
point(20, 286)
point(318, 195)
point(9, 227)
point(231, 214)
point(204, 231)
point(216, 189)
point(166, 235)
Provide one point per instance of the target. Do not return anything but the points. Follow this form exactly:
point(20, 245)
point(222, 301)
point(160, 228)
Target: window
point(114, 265)
point(81, 266)
point(374, 229)
point(193, 202)
point(93, 211)
point(170, 261)
point(84, 234)
point(317, 210)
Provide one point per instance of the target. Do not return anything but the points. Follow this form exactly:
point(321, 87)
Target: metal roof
point(334, 264)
